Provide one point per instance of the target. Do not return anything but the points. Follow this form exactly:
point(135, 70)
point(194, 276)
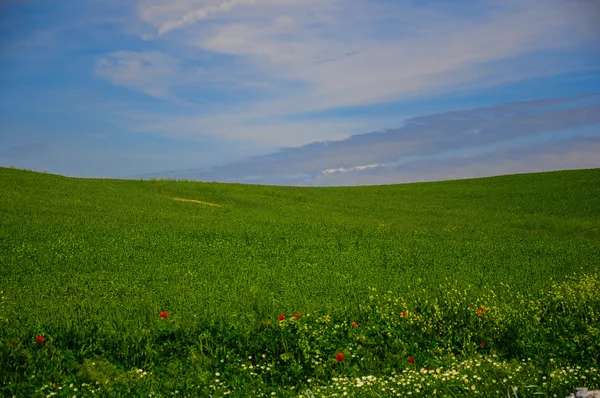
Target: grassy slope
point(125, 249)
point(81, 258)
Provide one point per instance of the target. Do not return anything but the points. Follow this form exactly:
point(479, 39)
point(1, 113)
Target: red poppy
point(164, 314)
point(481, 345)
point(54, 385)
point(411, 359)
point(340, 357)
point(296, 316)
point(354, 324)
point(281, 317)
point(480, 311)
point(39, 339)
point(403, 313)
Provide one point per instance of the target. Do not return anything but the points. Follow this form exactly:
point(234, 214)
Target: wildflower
point(164, 314)
point(281, 317)
point(39, 339)
point(340, 357)
point(411, 359)
point(296, 315)
point(481, 345)
point(480, 311)
point(403, 313)
point(354, 324)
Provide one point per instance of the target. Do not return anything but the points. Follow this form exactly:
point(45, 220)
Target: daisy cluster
point(485, 377)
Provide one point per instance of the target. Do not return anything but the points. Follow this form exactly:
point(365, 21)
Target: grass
point(90, 264)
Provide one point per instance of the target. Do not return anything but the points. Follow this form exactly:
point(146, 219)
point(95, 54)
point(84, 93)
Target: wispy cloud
point(291, 58)
point(148, 72)
point(199, 14)
point(389, 65)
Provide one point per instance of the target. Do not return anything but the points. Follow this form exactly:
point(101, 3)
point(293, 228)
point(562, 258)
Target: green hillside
point(90, 263)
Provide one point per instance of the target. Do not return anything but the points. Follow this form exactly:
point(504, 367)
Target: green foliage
point(472, 273)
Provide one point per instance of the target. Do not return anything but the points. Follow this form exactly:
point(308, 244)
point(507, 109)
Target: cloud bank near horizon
point(502, 139)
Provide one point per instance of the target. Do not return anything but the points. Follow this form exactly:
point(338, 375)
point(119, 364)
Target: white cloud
point(148, 72)
point(349, 169)
point(200, 14)
point(447, 51)
point(166, 16)
point(301, 56)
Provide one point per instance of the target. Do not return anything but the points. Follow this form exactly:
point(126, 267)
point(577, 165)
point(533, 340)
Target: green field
point(494, 275)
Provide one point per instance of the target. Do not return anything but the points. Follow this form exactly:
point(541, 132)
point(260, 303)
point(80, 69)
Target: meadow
point(480, 287)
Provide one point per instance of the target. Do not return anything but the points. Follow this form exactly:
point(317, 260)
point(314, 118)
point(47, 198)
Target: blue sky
point(204, 88)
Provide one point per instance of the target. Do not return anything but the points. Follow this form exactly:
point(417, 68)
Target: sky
point(299, 92)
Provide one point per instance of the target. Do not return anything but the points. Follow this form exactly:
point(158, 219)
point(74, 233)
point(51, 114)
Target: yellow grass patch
point(197, 201)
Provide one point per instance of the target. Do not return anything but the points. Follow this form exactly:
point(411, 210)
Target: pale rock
point(584, 393)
